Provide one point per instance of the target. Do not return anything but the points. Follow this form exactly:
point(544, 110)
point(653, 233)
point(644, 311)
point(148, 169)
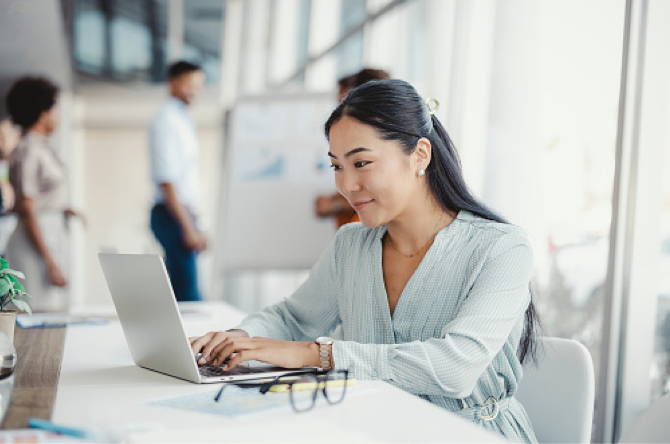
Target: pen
point(43, 424)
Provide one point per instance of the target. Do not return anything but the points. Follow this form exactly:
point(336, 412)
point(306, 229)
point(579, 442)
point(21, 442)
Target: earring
point(422, 172)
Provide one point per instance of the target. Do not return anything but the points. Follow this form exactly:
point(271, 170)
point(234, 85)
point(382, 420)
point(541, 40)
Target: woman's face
point(49, 119)
point(377, 178)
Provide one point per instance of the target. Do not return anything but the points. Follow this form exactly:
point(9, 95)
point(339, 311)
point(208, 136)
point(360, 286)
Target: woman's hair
point(397, 112)
point(28, 98)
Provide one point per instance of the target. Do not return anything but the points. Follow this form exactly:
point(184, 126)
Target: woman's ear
point(423, 153)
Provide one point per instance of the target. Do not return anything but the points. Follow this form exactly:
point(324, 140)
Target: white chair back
point(653, 425)
point(558, 394)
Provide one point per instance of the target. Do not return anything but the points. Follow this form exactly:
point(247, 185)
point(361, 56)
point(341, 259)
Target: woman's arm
point(25, 208)
point(284, 334)
point(452, 364)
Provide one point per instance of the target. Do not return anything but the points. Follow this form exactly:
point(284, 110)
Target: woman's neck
point(38, 129)
point(418, 226)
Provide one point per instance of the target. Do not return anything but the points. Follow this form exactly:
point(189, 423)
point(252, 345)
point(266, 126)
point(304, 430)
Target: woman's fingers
point(215, 340)
point(239, 358)
point(228, 347)
point(197, 342)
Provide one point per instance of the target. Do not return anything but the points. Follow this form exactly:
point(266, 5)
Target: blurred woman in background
point(38, 246)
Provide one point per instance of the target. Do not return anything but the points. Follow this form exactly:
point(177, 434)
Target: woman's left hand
point(288, 354)
point(72, 213)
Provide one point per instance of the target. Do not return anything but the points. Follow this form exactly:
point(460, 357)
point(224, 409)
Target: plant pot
point(7, 323)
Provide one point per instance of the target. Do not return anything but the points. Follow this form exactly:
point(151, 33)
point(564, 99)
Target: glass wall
point(120, 40)
point(660, 370)
point(127, 40)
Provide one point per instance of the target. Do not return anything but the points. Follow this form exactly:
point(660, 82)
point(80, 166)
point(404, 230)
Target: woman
point(432, 289)
point(38, 245)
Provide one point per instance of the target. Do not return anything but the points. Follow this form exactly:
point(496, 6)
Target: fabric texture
point(174, 152)
point(37, 172)
point(454, 334)
point(180, 262)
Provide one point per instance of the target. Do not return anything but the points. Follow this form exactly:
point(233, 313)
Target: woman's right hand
point(205, 344)
point(55, 276)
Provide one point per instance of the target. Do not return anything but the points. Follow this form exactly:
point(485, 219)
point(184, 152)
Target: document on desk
point(34, 436)
point(235, 401)
point(239, 401)
point(55, 320)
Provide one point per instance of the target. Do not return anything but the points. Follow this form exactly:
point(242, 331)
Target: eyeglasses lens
point(303, 392)
point(336, 386)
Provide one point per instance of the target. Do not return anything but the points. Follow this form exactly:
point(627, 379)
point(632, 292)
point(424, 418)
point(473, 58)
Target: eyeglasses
point(303, 388)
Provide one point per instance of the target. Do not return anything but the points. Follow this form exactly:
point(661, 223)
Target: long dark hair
point(397, 112)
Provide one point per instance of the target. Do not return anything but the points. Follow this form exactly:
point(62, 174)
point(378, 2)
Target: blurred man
point(174, 171)
point(335, 205)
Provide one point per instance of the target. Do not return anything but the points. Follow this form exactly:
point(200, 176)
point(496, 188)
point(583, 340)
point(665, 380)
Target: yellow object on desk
point(311, 385)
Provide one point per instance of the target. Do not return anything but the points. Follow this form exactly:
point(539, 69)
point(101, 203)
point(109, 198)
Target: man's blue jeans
point(180, 262)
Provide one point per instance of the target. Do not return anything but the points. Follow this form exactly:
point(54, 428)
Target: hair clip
point(432, 104)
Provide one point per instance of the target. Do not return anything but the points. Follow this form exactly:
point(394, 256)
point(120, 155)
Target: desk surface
point(39, 352)
point(100, 388)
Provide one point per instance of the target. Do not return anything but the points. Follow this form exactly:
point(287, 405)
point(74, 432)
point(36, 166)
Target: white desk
point(101, 388)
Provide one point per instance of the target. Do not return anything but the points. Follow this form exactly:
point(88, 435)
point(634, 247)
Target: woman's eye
point(334, 167)
point(361, 163)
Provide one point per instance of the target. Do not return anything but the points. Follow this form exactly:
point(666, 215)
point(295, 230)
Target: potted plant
point(11, 292)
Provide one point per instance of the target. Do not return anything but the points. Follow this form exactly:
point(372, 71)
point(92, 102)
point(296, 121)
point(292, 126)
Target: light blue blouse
point(454, 334)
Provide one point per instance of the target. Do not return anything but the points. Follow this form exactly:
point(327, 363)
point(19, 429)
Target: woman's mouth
point(358, 206)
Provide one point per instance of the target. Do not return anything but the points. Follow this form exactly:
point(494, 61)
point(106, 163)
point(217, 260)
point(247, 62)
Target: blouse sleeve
point(310, 312)
point(24, 175)
point(451, 364)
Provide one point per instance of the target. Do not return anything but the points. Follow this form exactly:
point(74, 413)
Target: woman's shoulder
point(27, 148)
point(492, 235)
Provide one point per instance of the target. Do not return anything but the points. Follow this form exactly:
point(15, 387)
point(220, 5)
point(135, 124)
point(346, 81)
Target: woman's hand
point(55, 276)
point(72, 213)
point(217, 346)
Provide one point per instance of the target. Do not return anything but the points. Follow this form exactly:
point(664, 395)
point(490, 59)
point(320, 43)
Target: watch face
point(324, 340)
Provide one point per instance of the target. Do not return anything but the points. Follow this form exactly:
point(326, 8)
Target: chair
point(558, 393)
point(653, 425)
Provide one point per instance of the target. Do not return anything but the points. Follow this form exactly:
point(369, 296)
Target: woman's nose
point(348, 183)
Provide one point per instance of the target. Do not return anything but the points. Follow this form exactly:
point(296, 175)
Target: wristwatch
point(324, 351)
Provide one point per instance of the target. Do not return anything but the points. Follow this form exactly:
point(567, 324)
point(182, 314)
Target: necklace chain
point(430, 241)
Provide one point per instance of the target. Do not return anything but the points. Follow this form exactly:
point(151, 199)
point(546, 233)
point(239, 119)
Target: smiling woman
point(431, 288)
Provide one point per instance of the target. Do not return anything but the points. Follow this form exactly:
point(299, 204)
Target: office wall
point(32, 41)
point(114, 188)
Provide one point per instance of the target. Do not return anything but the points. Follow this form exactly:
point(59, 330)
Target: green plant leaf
point(10, 272)
point(3, 264)
point(5, 286)
point(22, 305)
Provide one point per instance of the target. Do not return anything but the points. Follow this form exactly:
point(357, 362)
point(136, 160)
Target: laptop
point(153, 326)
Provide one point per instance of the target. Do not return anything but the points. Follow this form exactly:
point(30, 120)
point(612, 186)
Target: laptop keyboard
point(213, 370)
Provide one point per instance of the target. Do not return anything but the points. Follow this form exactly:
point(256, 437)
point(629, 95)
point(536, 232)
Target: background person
point(335, 205)
point(174, 156)
point(38, 246)
point(432, 289)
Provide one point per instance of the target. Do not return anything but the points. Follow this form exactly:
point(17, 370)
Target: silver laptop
point(153, 326)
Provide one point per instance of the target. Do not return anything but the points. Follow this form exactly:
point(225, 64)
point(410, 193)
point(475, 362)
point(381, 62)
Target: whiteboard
point(276, 165)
